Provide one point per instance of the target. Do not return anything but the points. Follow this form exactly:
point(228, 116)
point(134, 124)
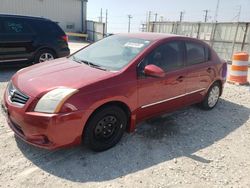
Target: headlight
point(52, 101)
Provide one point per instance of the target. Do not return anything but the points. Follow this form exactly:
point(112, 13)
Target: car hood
point(63, 72)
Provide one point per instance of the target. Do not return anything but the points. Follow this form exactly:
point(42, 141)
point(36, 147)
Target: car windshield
point(112, 53)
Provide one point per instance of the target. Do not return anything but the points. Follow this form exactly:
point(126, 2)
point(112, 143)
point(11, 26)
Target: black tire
point(99, 135)
point(205, 105)
point(41, 53)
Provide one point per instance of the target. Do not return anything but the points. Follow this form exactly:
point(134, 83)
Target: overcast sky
point(169, 9)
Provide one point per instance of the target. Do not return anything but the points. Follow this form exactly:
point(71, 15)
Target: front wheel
point(44, 55)
point(212, 97)
point(105, 128)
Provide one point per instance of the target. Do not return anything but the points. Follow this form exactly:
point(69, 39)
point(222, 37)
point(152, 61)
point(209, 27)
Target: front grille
point(17, 96)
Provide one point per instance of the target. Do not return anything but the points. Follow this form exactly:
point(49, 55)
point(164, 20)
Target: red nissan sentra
point(96, 94)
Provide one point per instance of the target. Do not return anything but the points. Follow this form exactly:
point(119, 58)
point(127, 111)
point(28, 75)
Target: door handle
point(180, 79)
point(209, 70)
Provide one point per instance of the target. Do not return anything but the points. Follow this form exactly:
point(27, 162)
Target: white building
point(70, 14)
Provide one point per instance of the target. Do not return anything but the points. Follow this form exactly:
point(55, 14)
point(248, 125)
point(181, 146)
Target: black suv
point(30, 39)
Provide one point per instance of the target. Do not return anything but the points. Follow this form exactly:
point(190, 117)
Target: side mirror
point(154, 71)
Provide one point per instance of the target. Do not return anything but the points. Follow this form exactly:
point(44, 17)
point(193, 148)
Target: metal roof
point(22, 16)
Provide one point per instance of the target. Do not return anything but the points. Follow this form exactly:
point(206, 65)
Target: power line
point(237, 17)
point(239, 13)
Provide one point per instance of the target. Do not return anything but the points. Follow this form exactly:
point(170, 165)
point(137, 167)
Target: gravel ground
point(76, 45)
point(188, 148)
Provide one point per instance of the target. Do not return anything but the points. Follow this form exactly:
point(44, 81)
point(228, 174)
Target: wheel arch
point(119, 104)
point(220, 84)
point(46, 48)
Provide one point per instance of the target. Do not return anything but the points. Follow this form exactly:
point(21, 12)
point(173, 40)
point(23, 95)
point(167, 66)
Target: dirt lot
point(76, 45)
point(189, 148)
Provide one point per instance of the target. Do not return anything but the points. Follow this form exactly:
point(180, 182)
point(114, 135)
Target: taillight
point(65, 38)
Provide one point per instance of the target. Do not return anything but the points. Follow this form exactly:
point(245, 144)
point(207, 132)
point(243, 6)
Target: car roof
point(23, 17)
point(155, 36)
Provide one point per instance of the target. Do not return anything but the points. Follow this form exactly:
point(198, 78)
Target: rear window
point(48, 27)
point(16, 26)
point(196, 53)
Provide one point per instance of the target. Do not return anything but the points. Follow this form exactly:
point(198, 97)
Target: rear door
point(1, 43)
point(200, 71)
point(16, 40)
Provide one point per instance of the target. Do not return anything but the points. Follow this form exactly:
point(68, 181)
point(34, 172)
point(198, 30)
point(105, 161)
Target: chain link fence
point(225, 38)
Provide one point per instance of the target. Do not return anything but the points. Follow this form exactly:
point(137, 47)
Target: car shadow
point(155, 141)
point(7, 72)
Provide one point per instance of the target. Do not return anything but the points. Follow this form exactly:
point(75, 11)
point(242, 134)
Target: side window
point(196, 53)
point(55, 28)
point(47, 27)
point(1, 27)
point(168, 56)
point(16, 26)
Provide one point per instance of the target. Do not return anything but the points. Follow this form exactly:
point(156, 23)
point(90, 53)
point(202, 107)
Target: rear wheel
point(105, 128)
point(212, 97)
point(44, 55)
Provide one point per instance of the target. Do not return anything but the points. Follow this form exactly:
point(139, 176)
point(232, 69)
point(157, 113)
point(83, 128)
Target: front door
point(157, 95)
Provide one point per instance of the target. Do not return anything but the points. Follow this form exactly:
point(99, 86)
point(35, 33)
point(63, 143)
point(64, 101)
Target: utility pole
point(156, 15)
point(149, 16)
point(100, 16)
point(129, 22)
point(144, 27)
point(206, 15)
point(182, 15)
point(106, 22)
point(149, 20)
point(146, 23)
point(217, 11)
point(161, 23)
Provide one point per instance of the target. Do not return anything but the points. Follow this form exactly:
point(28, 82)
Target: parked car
point(106, 88)
point(30, 39)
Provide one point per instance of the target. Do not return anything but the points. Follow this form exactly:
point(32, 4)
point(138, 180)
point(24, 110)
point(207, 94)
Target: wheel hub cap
point(46, 57)
point(106, 127)
point(213, 96)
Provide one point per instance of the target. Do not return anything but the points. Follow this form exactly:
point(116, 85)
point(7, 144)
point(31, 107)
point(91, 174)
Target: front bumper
point(49, 131)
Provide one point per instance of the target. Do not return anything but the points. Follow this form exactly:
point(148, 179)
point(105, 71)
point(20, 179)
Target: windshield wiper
point(77, 60)
point(89, 63)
